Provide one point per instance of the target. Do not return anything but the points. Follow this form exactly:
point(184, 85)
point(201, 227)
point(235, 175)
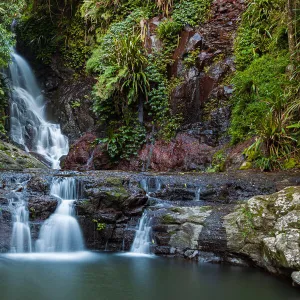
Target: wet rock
point(79, 153)
point(73, 98)
point(296, 278)
point(179, 228)
point(85, 155)
point(109, 205)
point(40, 208)
point(5, 229)
point(38, 184)
point(101, 159)
point(162, 250)
point(175, 194)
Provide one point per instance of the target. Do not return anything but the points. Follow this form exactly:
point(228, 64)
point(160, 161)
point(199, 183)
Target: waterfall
point(28, 124)
point(197, 194)
point(21, 236)
point(61, 232)
point(151, 184)
point(142, 240)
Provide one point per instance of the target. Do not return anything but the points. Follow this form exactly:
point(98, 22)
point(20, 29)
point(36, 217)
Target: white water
point(197, 194)
point(142, 240)
point(21, 236)
point(28, 124)
point(61, 232)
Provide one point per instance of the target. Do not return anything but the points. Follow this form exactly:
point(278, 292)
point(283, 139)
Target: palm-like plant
point(278, 135)
point(124, 80)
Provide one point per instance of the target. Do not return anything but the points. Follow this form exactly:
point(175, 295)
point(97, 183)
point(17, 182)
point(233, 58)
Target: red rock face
point(214, 41)
point(84, 155)
point(183, 153)
point(79, 153)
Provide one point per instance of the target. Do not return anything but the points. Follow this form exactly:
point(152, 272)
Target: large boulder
point(109, 204)
point(267, 230)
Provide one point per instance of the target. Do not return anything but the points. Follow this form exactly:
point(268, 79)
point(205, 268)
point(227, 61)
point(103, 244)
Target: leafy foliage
point(265, 96)
point(257, 90)
point(263, 30)
point(191, 12)
point(8, 11)
point(56, 28)
point(124, 141)
point(124, 78)
point(128, 76)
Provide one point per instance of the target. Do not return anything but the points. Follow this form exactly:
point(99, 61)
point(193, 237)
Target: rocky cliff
point(202, 99)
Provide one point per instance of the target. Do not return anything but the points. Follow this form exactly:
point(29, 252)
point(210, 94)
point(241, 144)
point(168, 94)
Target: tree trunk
point(291, 14)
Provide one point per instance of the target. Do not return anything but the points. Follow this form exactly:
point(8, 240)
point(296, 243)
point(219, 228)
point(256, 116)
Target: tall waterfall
point(28, 124)
point(61, 232)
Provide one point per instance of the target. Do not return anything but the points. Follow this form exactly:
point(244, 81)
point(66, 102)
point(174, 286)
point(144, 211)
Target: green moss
point(118, 195)
point(257, 89)
point(114, 181)
point(265, 93)
point(168, 219)
point(177, 210)
point(289, 192)
point(205, 208)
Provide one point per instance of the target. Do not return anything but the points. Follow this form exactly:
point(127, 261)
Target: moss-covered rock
point(12, 158)
point(267, 230)
point(179, 228)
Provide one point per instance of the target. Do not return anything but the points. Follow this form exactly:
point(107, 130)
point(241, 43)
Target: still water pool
point(105, 276)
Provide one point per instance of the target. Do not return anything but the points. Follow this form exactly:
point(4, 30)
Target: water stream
point(142, 240)
point(28, 125)
point(61, 232)
point(30, 129)
point(21, 235)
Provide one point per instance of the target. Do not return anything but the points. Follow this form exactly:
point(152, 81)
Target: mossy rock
point(168, 219)
point(12, 158)
point(114, 181)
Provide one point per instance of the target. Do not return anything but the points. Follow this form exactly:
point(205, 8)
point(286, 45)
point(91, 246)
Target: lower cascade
point(21, 236)
point(142, 240)
point(61, 232)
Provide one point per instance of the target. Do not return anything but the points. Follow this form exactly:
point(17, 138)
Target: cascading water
point(142, 240)
point(61, 232)
point(197, 194)
point(21, 237)
point(28, 125)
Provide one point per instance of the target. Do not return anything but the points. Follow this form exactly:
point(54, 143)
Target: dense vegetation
point(8, 11)
point(133, 88)
point(266, 98)
point(108, 39)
